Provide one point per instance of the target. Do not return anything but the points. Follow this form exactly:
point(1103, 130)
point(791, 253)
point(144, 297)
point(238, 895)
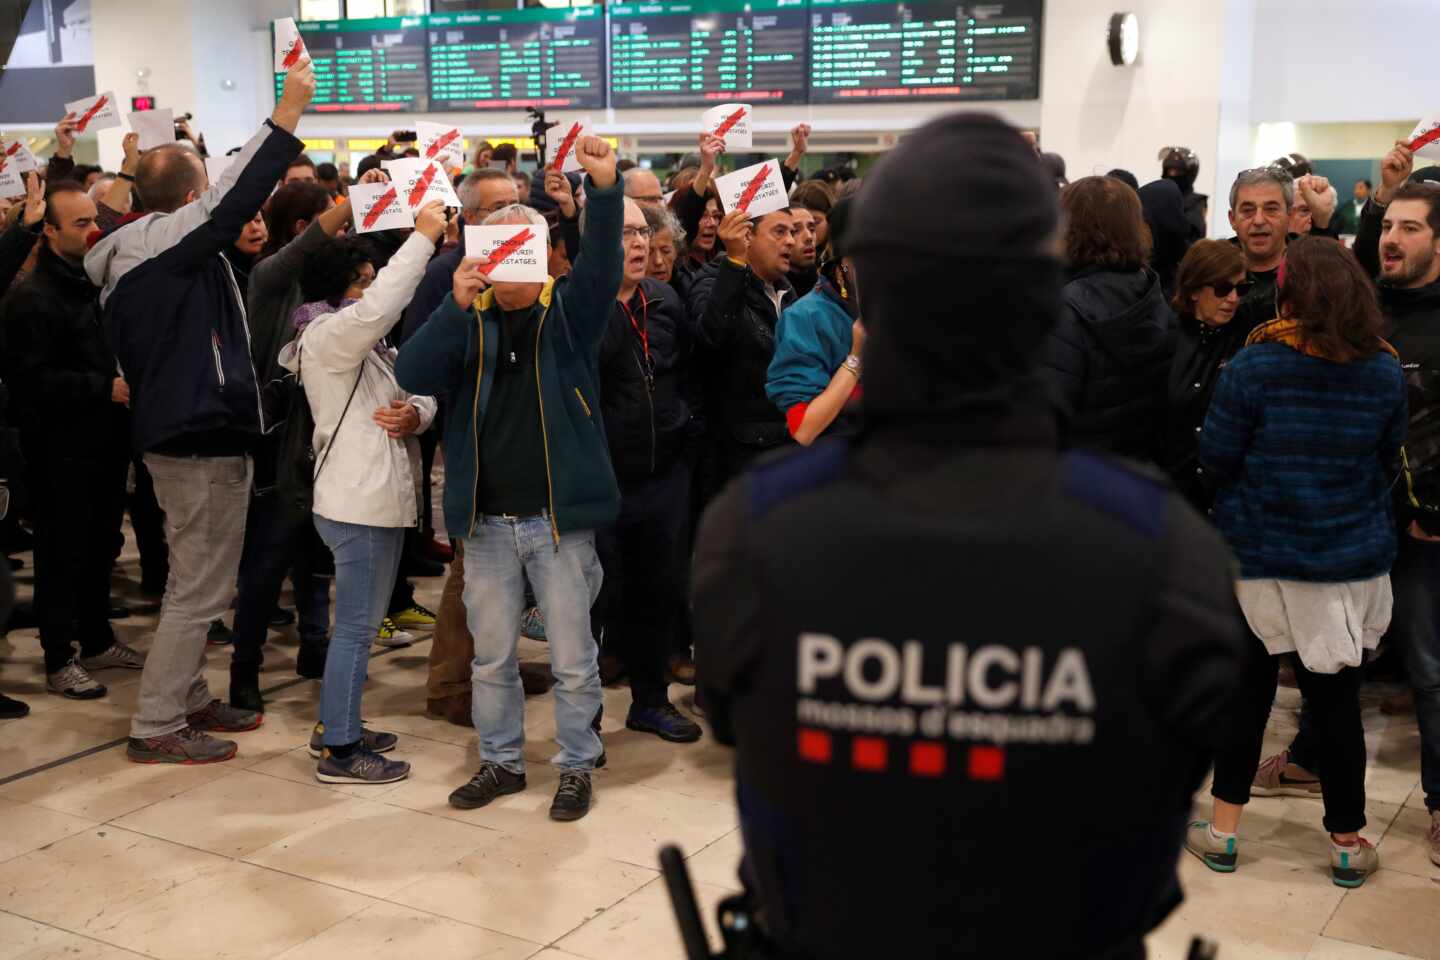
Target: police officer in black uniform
point(1181, 165)
point(971, 678)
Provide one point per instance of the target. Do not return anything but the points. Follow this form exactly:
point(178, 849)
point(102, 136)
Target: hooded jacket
point(646, 414)
point(176, 316)
point(453, 355)
point(736, 321)
point(1108, 358)
point(1413, 328)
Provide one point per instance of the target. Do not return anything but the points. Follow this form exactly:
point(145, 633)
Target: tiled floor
point(101, 858)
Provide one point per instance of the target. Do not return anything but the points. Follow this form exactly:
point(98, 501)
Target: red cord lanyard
point(641, 329)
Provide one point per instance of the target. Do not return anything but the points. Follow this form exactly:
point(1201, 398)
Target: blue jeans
point(566, 579)
point(366, 559)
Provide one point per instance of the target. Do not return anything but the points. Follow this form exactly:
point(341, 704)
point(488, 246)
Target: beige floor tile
point(53, 735)
point(26, 828)
point(1327, 949)
point(518, 887)
point(22, 939)
point(1406, 848)
point(553, 954)
point(704, 770)
point(719, 863)
point(374, 848)
point(236, 912)
point(375, 932)
point(644, 922)
point(84, 878)
point(1393, 911)
point(627, 821)
point(107, 785)
point(239, 814)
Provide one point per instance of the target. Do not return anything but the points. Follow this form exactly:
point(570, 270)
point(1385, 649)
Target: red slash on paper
point(417, 193)
point(505, 249)
point(293, 57)
point(1425, 139)
point(565, 146)
point(752, 188)
point(95, 108)
point(729, 122)
point(13, 149)
point(441, 144)
point(378, 210)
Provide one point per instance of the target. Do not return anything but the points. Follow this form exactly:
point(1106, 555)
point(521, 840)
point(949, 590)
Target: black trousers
point(643, 556)
point(1339, 738)
point(148, 522)
point(76, 505)
point(278, 539)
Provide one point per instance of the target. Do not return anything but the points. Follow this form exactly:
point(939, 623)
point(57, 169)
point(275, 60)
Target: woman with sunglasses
point(1209, 285)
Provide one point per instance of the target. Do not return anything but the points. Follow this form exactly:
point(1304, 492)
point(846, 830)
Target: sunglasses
point(1223, 288)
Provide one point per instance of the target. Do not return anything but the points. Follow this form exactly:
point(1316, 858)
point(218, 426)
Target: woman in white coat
point(365, 456)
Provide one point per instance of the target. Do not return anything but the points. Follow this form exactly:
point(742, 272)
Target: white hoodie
point(363, 476)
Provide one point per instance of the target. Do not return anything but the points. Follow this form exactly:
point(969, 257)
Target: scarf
point(309, 312)
point(1292, 335)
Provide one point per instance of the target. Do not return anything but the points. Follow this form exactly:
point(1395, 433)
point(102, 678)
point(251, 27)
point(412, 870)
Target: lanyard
point(641, 330)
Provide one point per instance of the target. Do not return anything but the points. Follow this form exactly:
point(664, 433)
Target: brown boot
point(455, 709)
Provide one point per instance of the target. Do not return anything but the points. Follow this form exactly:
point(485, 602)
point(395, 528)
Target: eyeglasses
point(1223, 288)
point(637, 233)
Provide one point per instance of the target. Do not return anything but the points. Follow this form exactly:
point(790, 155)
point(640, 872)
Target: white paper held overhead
point(513, 252)
point(378, 206)
point(755, 190)
point(289, 47)
point(731, 123)
point(156, 127)
point(94, 113)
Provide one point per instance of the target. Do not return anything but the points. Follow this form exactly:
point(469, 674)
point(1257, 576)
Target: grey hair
point(1264, 175)
point(518, 213)
point(662, 219)
point(469, 195)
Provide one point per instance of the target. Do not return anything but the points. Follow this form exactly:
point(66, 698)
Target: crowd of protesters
point(266, 390)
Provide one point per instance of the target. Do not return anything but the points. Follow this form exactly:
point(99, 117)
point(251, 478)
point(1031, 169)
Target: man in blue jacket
point(176, 321)
point(528, 479)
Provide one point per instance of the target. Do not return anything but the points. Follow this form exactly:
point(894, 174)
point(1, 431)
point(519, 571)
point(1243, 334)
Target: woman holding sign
point(364, 474)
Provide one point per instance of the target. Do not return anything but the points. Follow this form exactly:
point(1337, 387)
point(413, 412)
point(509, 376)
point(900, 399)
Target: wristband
point(125, 176)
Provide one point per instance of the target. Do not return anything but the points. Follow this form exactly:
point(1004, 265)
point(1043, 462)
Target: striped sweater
point(1305, 451)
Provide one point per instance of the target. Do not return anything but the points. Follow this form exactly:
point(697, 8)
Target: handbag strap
point(299, 364)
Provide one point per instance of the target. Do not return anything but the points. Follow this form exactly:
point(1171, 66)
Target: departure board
point(880, 50)
point(693, 53)
point(510, 59)
point(366, 66)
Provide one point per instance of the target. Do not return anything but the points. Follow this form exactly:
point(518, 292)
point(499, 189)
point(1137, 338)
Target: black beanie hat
point(954, 240)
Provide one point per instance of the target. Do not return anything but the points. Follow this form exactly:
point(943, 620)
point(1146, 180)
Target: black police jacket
point(920, 643)
point(644, 381)
point(735, 327)
point(1107, 359)
point(58, 364)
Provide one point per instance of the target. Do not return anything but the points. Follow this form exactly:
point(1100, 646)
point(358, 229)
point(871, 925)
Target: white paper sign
point(289, 48)
point(1425, 138)
point(94, 113)
point(756, 190)
point(215, 168)
point(156, 127)
point(12, 184)
point(379, 206)
point(561, 144)
point(438, 141)
point(731, 123)
point(419, 181)
point(515, 252)
point(19, 156)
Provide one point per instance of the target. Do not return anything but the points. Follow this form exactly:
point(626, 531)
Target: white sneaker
point(72, 682)
point(391, 635)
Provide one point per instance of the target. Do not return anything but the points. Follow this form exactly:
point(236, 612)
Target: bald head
point(642, 186)
point(169, 177)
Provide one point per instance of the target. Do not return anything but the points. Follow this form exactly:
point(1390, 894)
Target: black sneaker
point(489, 782)
point(572, 797)
point(362, 766)
point(665, 722)
point(280, 617)
point(218, 635)
point(11, 709)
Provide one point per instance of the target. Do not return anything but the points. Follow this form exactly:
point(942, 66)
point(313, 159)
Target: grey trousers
point(204, 499)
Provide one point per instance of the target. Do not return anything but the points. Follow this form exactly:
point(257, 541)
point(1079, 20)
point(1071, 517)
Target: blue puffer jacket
point(812, 340)
point(453, 355)
point(174, 311)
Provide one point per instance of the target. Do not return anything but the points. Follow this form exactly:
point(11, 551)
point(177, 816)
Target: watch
point(852, 363)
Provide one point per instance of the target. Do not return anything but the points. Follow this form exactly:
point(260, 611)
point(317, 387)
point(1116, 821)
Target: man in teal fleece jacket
point(528, 479)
